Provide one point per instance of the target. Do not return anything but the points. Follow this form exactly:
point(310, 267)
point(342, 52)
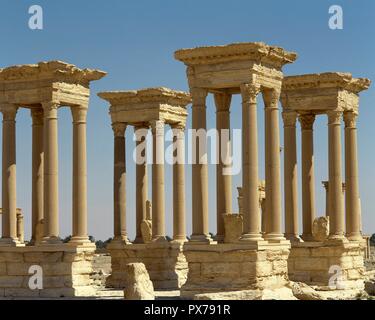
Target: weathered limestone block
point(138, 283)
point(328, 265)
point(165, 263)
point(304, 292)
point(233, 226)
point(321, 228)
point(60, 278)
point(234, 268)
point(146, 230)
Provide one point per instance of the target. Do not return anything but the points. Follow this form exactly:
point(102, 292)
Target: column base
point(274, 237)
point(251, 237)
point(10, 242)
point(51, 241)
point(201, 239)
point(121, 239)
point(293, 238)
point(80, 241)
point(337, 238)
point(355, 237)
point(159, 239)
point(179, 240)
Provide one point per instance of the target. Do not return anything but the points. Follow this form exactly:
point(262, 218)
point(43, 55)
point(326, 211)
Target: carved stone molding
point(306, 121)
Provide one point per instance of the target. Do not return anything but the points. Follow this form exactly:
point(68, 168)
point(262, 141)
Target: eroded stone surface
point(138, 285)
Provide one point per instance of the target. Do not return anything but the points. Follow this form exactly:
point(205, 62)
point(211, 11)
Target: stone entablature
point(57, 81)
point(319, 93)
point(143, 106)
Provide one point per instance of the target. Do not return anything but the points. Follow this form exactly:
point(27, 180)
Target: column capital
point(271, 98)
point(50, 109)
point(198, 93)
point(9, 112)
point(249, 92)
point(306, 121)
point(37, 116)
point(79, 114)
point(157, 125)
point(178, 126)
point(222, 101)
point(119, 129)
point(350, 119)
point(334, 117)
point(289, 118)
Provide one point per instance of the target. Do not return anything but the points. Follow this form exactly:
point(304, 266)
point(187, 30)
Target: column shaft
point(37, 173)
point(199, 168)
point(250, 180)
point(353, 218)
point(223, 167)
point(308, 176)
point(141, 179)
point(119, 183)
point(158, 190)
point(272, 166)
point(179, 225)
point(9, 213)
point(336, 212)
point(51, 192)
point(290, 177)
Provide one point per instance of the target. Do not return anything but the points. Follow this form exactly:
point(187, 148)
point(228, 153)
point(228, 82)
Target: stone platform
point(315, 263)
point(165, 263)
point(215, 268)
point(66, 270)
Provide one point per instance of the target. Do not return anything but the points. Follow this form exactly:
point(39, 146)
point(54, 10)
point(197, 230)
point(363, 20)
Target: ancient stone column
point(51, 192)
point(9, 215)
point(326, 186)
point(308, 176)
point(250, 181)
point(272, 166)
point(290, 177)
point(20, 227)
point(179, 224)
point(158, 190)
point(37, 172)
point(353, 219)
point(141, 179)
point(223, 174)
point(119, 183)
point(199, 168)
point(336, 212)
point(79, 235)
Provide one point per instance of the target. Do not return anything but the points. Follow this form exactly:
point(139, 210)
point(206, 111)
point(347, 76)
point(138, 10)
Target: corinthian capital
point(350, 119)
point(334, 117)
point(249, 92)
point(79, 114)
point(119, 129)
point(289, 118)
point(306, 121)
point(9, 112)
point(198, 96)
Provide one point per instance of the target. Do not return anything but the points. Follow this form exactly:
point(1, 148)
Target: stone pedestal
point(165, 263)
point(235, 267)
point(315, 263)
point(66, 271)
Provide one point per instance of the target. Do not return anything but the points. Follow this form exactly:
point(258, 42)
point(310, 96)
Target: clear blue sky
point(134, 42)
